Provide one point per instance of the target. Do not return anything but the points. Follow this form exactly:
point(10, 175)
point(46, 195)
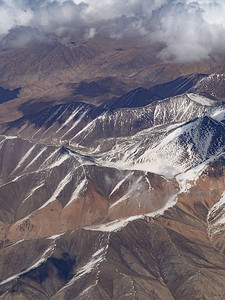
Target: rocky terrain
point(112, 173)
point(119, 201)
point(93, 71)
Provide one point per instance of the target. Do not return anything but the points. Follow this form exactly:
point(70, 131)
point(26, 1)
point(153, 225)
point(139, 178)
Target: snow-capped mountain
point(115, 201)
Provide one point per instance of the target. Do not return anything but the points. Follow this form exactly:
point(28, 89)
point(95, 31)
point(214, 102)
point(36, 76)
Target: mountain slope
point(126, 202)
point(164, 257)
point(142, 97)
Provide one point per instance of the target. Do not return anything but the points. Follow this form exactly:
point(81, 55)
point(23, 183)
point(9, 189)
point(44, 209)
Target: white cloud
point(46, 16)
point(190, 30)
point(90, 34)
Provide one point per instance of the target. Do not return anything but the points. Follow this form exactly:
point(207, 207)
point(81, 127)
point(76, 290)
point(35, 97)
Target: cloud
point(189, 30)
point(43, 16)
point(18, 37)
point(90, 34)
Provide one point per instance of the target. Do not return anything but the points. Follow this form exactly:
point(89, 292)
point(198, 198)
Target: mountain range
point(112, 173)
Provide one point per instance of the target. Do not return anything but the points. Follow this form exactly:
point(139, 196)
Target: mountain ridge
point(114, 201)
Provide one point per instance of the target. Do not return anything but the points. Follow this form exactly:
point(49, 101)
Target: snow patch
point(193, 174)
point(61, 160)
point(119, 184)
point(54, 237)
point(68, 119)
point(218, 204)
point(114, 225)
point(169, 204)
point(77, 191)
point(43, 258)
point(58, 190)
point(76, 123)
point(10, 137)
point(18, 242)
point(96, 259)
point(32, 192)
point(36, 157)
point(25, 157)
point(216, 217)
point(129, 193)
point(219, 114)
point(201, 99)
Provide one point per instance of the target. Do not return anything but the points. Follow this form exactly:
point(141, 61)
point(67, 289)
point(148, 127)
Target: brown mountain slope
point(93, 71)
point(55, 63)
point(169, 256)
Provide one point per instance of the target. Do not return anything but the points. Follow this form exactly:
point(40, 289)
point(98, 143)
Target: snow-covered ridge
point(168, 148)
point(205, 81)
point(179, 134)
point(169, 152)
point(77, 124)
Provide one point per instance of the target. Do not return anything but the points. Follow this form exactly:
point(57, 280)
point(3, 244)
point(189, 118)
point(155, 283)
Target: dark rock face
point(7, 95)
point(141, 97)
